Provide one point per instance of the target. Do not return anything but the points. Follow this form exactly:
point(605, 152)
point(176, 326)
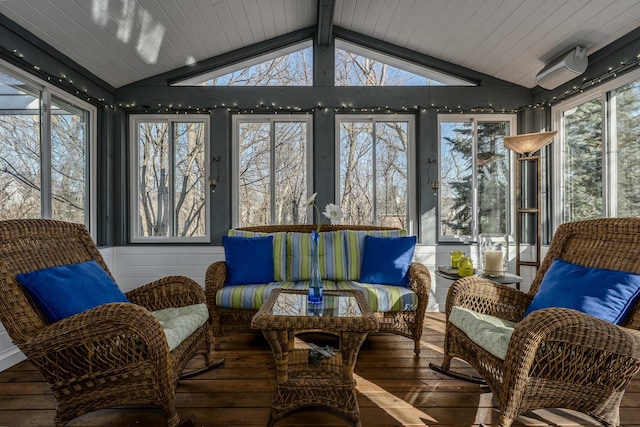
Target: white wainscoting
point(133, 266)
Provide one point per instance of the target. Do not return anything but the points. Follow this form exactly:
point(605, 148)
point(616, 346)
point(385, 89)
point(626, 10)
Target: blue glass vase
point(314, 295)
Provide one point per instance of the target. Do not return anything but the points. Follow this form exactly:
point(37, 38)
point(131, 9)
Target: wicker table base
point(303, 381)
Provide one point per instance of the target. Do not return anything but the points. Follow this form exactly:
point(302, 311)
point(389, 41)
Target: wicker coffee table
point(308, 376)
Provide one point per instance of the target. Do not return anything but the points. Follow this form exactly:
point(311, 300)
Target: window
point(271, 157)
point(475, 173)
point(597, 173)
point(170, 192)
point(45, 152)
point(375, 157)
point(359, 66)
point(291, 66)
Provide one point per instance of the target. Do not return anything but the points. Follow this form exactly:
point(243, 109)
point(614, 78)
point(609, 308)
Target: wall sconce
point(434, 184)
point(213, 182)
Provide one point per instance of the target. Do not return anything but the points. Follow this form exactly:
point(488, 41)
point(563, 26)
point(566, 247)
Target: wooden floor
point(395, 388)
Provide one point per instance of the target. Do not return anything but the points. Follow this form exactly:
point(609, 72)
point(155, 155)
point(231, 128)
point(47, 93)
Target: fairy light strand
point(68, 85)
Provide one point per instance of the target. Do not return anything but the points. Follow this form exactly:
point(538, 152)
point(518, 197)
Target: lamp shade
point(528, 143)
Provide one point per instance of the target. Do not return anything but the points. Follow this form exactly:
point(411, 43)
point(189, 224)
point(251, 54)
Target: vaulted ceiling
point(123, 41)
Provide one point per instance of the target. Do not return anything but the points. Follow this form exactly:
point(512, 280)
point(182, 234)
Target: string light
point(62, 80)
point(66, 83)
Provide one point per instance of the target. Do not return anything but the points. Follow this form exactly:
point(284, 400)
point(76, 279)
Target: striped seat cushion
point(253, 296)
point(387, 298)
point(279, 250)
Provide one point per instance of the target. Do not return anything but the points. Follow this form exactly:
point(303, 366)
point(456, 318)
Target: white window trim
point(474, 118)
point(134, 216)
point(235, 153)
point(411, 173)
point(47, 91)
point(608, 167)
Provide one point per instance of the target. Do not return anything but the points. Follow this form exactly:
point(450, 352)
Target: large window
point(358, 66)
point(271, 157)
point(290, 66)
point(45, 152)
point(171, 189)
point(475, 173)
point(375, 169)
point(595, 171)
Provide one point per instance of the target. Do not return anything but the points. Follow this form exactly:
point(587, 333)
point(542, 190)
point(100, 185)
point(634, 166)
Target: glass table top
point(335, 304)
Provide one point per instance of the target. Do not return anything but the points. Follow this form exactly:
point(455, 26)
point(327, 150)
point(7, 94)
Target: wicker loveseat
point(556, 356)
point(400, 309)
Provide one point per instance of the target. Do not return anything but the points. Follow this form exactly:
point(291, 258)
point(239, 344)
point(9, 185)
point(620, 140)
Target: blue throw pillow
point(65, 290)
point(386, 260)
point(600, 292)
point(249, 259)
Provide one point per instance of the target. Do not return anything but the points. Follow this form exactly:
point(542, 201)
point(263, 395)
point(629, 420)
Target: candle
point(493, 263)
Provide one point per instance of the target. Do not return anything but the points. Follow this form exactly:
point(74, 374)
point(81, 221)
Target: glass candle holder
point(455, 257)
point(465, 267)
point(494, 254)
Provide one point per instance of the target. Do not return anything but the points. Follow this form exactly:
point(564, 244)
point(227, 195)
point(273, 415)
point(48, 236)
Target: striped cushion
point(247, 296)
point(333, 262)
point(253, 296)
point(354, 243)
point(279, 250)
point(388, 298)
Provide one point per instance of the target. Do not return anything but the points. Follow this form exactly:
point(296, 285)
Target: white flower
point(334, 213)
point(331, 211)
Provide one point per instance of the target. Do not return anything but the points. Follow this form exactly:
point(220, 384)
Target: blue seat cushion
point(599, 292)
point(65, 290)
point(248, 259)
point(386, 260)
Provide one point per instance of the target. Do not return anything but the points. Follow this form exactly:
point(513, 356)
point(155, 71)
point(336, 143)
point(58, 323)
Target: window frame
point(445, 79)
point(411, 158)
point(474, 119)
point(206, 76)
point(134, 120)
point(555, 180)
point(47, 92)
point(237, 120)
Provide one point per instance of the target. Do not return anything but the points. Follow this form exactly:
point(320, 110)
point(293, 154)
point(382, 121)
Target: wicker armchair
point(556, 357)
point(113, 355)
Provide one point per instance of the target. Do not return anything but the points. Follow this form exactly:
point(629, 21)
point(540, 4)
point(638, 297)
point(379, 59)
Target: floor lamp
point(528, 196)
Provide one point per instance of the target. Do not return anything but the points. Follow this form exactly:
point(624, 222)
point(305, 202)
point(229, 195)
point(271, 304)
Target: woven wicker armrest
point(214, 280)
point(116, 334)
point(420, 280)
point(563, 346)
point(485, 296)
point(170, 291)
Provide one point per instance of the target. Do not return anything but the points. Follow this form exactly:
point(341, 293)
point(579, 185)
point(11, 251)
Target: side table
point(302, 378)
point(452, 274)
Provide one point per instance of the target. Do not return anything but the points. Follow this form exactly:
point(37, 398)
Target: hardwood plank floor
point(395, 388)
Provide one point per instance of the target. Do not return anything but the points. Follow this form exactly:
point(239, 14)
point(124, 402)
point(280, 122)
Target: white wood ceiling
point(123, 41)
